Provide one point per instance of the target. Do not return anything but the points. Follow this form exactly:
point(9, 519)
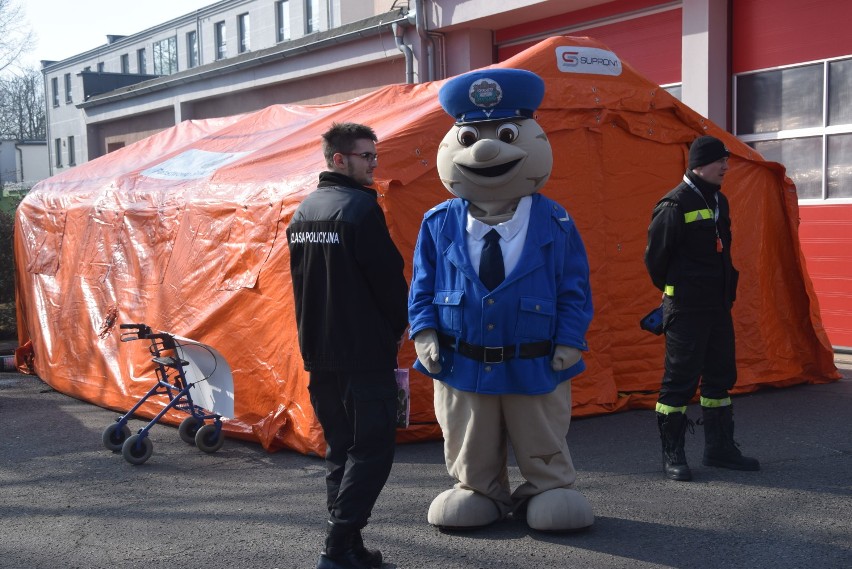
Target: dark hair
point(341, 137)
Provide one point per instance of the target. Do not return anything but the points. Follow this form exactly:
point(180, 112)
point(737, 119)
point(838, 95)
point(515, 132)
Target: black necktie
point(491, 270)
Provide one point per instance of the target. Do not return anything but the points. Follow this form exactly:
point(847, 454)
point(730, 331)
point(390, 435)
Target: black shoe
point(677, 471)
point(341, 551)
point(720, 448)
point(372, 557)
point(672, 435)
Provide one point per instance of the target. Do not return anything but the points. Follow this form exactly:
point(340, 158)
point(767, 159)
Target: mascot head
point(496, 153)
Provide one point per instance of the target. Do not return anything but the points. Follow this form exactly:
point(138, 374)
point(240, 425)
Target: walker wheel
point(137, 449)
point(114, 436)
point(208, 440)
point(188, 428)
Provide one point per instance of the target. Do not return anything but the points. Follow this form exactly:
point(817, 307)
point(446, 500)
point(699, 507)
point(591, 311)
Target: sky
point(67, 28)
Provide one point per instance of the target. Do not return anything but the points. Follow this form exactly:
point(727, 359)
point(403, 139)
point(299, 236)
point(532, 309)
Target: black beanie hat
point(706, 149)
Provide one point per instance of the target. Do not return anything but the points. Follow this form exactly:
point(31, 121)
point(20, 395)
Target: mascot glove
point(426, 346)
point(563, 357)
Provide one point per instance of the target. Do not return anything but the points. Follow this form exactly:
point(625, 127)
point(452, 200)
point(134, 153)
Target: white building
point(22, 164)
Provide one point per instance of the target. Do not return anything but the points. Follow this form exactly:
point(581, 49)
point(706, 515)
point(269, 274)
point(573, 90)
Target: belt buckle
point(497, 352)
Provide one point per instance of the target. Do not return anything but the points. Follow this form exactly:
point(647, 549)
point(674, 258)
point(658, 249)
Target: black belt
point(498, 354)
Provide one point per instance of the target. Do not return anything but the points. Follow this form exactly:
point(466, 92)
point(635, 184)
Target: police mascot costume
point(498, 310)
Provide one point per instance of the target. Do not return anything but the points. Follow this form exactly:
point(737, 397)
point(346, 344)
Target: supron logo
point(485, 93)
point(570, 58)
point(591, 60)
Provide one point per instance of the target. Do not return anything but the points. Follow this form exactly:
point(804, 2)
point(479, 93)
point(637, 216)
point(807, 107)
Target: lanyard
point(715, 212)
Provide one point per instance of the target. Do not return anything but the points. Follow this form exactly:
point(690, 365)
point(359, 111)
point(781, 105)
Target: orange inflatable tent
point(184, 231)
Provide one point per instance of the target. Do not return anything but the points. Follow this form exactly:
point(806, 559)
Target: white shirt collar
point(508, 229)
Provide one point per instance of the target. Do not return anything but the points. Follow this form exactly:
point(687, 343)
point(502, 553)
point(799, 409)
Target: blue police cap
point(492, 94)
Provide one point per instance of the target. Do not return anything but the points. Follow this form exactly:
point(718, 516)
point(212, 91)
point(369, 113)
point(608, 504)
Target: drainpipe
point(420, 24)
point(398, 34)
point(47, 104)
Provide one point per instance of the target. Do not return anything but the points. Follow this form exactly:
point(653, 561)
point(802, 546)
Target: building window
point(54, 90)
point(282, 20)
point(68, 98)
point(141, 62)
point(125, 63)
point(219, 37)
point(311, 16)
point(165, 56)
point(801, 116)
point(57, 152)
point(192, 49)
point(100, 67)
point(71, 157)
point(244, 31)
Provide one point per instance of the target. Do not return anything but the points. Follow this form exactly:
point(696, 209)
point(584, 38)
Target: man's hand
point(564, 357)
point(428, 352)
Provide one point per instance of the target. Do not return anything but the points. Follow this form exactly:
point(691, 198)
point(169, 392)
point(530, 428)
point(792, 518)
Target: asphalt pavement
point(67, 502)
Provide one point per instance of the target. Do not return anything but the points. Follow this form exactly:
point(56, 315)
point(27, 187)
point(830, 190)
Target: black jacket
point(682, 255)
point(348, 282)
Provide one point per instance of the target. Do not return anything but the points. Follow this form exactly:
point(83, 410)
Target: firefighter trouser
point(357, 412)
point(699, 346)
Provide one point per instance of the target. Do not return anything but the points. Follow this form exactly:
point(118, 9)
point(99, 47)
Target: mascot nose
point(485, 150)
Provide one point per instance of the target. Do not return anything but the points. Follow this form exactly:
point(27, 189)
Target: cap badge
point(485, 93)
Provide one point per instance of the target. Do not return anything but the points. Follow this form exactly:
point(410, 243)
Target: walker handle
point(141, 331)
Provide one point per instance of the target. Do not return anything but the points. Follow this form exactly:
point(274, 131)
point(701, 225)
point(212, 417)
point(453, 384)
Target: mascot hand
point(564, 357)
point(426, 346)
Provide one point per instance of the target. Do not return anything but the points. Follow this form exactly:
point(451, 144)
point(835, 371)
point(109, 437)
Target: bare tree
point(22, 114)
point(16, 36)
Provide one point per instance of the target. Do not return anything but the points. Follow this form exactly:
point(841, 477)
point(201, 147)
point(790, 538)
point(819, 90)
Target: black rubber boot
point(720, 448)
point(672, 434)
point(372, 557)
point(339, 550)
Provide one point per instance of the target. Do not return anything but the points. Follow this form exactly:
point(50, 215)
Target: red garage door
point(826, 237)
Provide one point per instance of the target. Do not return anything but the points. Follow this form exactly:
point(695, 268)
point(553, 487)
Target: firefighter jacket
point(546, 300)
point(688, 255)
point(348, 282)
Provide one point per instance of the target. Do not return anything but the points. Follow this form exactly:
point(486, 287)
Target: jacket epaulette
point(440, 207)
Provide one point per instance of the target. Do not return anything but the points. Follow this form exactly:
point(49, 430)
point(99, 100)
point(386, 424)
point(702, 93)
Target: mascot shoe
point(559, 510)
point(458, 509)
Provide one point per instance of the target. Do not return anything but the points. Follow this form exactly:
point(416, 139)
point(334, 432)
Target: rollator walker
point(175, 359)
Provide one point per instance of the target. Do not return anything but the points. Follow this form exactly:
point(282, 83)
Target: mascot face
point(496, 153)
point(495, 161)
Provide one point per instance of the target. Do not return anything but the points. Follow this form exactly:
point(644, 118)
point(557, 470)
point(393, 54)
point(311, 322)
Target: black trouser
point(699, 345)
point(357, 411)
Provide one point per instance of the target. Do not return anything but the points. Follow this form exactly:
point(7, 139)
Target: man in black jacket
point(351, 312)
point(689, 258)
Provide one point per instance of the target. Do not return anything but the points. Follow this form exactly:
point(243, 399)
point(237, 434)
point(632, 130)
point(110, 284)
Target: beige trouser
point(476, 429)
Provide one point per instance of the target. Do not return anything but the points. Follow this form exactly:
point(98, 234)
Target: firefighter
point(688, 257)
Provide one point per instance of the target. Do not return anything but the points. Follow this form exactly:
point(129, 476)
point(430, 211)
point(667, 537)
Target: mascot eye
point(508, 132)
point(467, 135)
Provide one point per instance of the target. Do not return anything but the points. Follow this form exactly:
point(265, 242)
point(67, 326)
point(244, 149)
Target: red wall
point(771, 33)
point(825, 233)
point(650, 44)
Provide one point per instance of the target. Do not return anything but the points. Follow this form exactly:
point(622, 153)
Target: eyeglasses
point(368, 156)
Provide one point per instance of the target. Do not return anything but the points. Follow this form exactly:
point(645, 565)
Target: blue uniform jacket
point(546, 297)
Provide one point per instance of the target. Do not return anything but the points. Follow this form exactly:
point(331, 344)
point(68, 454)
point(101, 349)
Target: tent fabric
point(184, 231)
